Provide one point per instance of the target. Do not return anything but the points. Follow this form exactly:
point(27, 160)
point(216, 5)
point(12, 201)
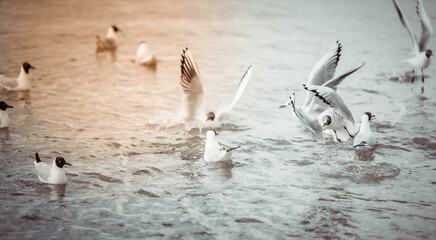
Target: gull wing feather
point(336, 81)
point(427, 29)
point(324, 69)
point(240, 90)
point(7, 83)
point(213, 150)
point(311, 124)
point(403, 19)
point(43, 171)
point(359, 140)
point(192, 87)
point(331, 98)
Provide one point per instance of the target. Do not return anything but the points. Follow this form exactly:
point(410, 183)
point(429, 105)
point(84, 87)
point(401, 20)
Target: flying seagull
point(421, 54)
point(193, 92)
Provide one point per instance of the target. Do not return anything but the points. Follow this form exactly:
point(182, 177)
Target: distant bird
point(110, 42)
point(4, 117)
point(421, 58)
point(321, 75)
point(53, 174)
point(214, 151)
point(193, 105)
point(144, 56)
point(365, 137)
point(22, 83)
point(335, 117)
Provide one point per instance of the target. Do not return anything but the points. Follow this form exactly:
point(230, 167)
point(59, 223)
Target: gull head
point(327, 120)
point(116, 29)
point(370, 116)
point(210, 116)
point(4, 106)
point(428, 53)
point(27, 66)
point(60, 162)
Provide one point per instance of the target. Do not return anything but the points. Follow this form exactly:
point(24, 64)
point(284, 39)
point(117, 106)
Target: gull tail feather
point(361, 144)
point(37, 159)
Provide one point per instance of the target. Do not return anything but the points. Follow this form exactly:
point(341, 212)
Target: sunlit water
point(136, 173)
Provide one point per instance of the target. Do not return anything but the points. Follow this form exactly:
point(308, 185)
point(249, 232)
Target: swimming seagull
point(110, 42)
point(421, 59)
point(214, 151)
point(53, 174)
point(321, 75)
point(4, 117)
point(365, 137)
point(337, 114)
point(190, 80)
point(22, 83)
point(144, 56)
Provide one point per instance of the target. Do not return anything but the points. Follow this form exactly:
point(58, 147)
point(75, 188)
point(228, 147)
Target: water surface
point(136, 173)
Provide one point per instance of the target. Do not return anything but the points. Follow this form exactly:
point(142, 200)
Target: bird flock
point(323, 111)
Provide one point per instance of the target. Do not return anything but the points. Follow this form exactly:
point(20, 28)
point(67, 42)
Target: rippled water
point(136, 173)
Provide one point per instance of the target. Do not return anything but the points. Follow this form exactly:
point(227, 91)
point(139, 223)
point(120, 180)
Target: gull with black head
point(4, 117)
point(214, 151)
point(110, 41)
point(22, 83)
point(337, 116)
point(364, 137)
point(194, 110)
point(421, 54)
point(321, 75)
point(52, 174)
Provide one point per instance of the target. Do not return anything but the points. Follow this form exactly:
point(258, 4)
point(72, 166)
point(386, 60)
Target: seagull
point(321, 75)
point(144, 56)
point(214, 151)
point(421, 58)
point(110, 42)
point(53, 174)
point(336, 116)
point(193, 92)
point(364, 137)
point(22, 83)
point(4, 117)
point(308, 120)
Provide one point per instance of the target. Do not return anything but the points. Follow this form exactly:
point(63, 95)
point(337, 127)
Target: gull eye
point(327, 119)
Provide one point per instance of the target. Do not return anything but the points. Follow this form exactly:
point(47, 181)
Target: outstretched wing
point(403, 19)
point(192, 87)
point(241, 87)
point(335, 82)
point(331, 98)
point(324, 69)
point(310, 124)
point(427, 29)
